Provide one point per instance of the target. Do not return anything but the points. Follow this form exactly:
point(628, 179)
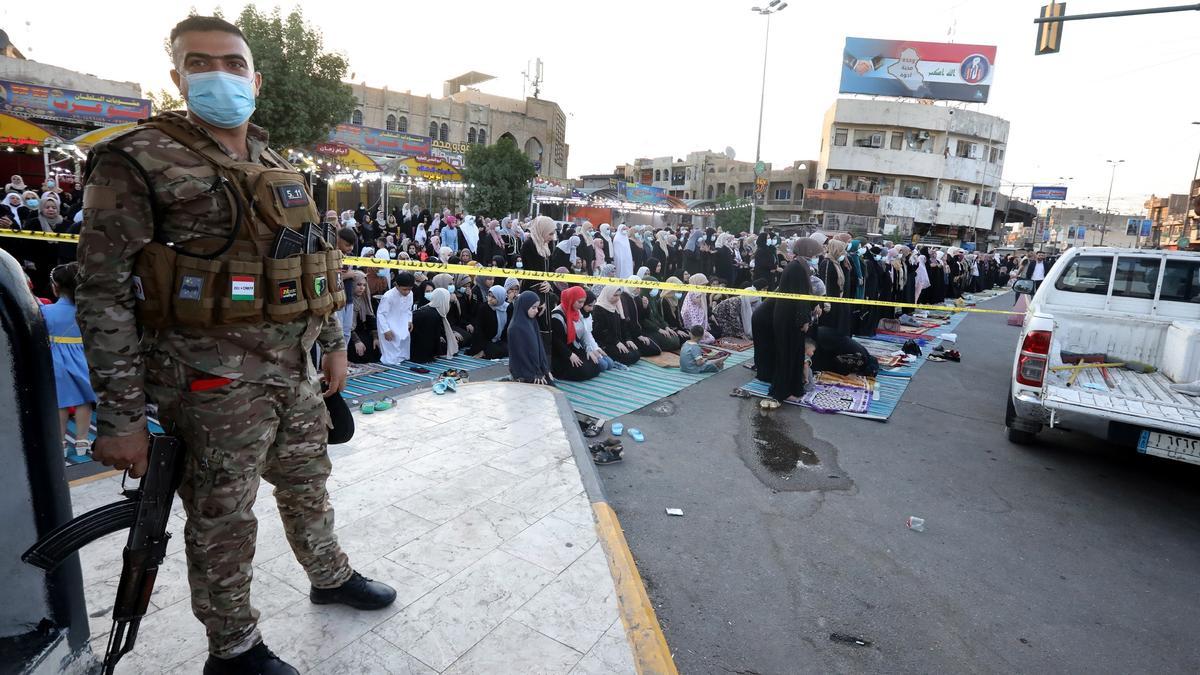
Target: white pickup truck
point(1112, 305)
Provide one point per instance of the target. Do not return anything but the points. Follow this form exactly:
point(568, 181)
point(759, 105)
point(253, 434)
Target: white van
point(1115, 306)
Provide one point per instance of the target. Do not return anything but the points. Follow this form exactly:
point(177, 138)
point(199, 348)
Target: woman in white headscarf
point(564, 253)
point(694, 311)
point(422, 234)
point(622, 254)
point(922, 279)
point(606, 235)
point(470, 233)
point(608, 327)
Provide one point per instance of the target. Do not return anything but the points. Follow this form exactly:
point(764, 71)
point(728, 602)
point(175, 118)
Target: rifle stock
point(145, 511)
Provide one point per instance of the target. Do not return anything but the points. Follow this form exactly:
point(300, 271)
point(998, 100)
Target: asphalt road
point(1073, 555)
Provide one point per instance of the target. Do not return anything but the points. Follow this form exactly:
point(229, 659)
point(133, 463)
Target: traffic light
point(1049, 35)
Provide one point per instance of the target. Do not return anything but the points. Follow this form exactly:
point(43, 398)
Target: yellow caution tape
point(560, 277)
point(66, 340)
point(497, 272)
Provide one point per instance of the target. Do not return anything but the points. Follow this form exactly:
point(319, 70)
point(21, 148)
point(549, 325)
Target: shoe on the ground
point(358, 592)
point(605, 457)
point(258, 660)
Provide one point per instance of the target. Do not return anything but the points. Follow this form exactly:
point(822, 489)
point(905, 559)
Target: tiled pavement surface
point(470, 504)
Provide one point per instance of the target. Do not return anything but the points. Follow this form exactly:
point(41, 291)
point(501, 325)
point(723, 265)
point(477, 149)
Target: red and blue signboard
point(32, 100)
point(382, 141)
point(928, 70)
point(1046, 192)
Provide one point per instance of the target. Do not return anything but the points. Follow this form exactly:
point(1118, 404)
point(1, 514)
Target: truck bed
point(1136, 398)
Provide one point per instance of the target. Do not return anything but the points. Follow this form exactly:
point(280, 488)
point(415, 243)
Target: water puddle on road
point(779, 453)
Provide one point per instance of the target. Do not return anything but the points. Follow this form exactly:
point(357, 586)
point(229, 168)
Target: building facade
point(708, 176)
point(934, 170)
point(464, 117)
point(1171, 222)
point(1082, 226)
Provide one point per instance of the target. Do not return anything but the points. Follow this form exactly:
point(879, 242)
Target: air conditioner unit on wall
point(876, 140)
point(912, 192)
point(922, 135)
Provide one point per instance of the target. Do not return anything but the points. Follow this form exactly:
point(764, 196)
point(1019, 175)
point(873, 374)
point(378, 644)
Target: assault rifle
point(145, 512)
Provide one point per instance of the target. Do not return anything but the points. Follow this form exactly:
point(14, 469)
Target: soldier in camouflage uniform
point(245, 399)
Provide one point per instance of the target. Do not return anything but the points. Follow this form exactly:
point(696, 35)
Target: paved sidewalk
point(472, 506)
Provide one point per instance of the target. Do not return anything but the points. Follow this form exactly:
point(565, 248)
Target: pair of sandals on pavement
point(449, 380)
point(371, 407)
point(940, 353)
point(609, 451)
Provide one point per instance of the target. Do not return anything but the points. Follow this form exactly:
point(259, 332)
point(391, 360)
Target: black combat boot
point(257, 661)
point(359, 592)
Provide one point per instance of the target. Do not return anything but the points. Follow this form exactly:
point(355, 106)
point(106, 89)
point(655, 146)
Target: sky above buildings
point(658, 77)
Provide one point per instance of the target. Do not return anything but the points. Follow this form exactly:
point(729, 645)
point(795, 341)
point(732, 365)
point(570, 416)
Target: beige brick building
point(464, 116)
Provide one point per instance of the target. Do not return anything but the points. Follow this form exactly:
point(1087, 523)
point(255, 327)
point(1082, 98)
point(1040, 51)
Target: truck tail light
point(1035, 355)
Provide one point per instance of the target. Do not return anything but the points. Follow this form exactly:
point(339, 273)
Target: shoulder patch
point(99, 197)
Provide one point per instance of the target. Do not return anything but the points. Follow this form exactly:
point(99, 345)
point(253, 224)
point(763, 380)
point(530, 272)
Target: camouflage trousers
point(235, 434)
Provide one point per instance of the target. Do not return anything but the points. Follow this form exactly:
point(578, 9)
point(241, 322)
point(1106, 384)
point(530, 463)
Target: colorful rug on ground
point(374, 378)
point(735, 344)
point(885, 394)
point(615, 393)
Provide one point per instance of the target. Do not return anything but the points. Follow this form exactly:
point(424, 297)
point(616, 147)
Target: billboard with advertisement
point(1055, 193)
point(642, 194)
point(382, 141)
point(31, 100)
point(1133, 225)
point(930, 70)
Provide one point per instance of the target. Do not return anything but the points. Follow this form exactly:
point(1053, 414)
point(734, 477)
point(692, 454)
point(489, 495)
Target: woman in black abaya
point(790, 319)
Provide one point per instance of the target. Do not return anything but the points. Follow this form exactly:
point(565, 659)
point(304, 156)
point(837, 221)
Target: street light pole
point(1107, 202)
point(773, 7)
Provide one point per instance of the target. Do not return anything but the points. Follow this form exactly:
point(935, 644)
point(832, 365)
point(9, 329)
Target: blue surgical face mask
point(383, 273)
point(841, 258)
point(678, 295)
point(878, 258)
point(32, 203)
point(451, 289)
point(654, 292)
point(520, 264)
point(222, 99)
point(814, 261)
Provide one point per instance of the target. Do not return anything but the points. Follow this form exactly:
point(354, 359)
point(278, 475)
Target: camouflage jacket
point(117, 224)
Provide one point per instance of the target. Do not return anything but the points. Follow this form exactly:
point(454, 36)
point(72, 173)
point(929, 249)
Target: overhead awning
point(15, 131)
point(347, 157)
point(86, 140)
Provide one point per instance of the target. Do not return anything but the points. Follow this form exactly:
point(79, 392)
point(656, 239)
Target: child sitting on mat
point(692, 359)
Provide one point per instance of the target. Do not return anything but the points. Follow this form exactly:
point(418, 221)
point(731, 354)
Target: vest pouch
point(333, 266)
point(242, 291)
point(316, 283)
point(153, 284)
point(286, 301)
point(195, 296)
point(281, 197)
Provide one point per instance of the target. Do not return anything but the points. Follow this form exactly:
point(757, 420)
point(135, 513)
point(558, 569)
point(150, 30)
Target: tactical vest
point(214, 281)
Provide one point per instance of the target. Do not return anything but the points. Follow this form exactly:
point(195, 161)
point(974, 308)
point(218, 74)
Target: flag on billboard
point(932, 70)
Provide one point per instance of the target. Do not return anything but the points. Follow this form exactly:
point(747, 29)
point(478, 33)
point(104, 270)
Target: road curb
point(651, 655)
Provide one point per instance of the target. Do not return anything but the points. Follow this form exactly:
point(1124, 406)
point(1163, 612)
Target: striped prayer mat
point(884, 399)
point(385, 378)
point(614, 393)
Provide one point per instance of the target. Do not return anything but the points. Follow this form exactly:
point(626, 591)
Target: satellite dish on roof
point(729, 153)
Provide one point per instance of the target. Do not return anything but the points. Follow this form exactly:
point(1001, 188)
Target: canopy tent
point(85, 141)
point(21, 133)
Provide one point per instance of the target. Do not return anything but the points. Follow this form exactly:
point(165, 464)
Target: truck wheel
point(1015, 435)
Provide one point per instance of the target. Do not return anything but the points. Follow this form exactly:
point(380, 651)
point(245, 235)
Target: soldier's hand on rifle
point(124, 452)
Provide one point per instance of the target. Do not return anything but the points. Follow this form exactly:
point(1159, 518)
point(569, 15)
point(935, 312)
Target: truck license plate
point(1170, 446)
